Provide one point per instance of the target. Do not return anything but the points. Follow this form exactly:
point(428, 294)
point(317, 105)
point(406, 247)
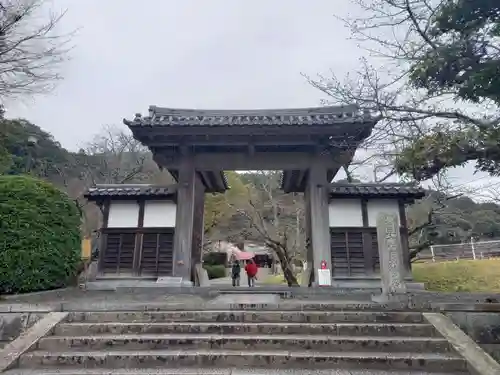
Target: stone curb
point(467, 307)
point(8, 297)
point(282, 305)
point(478, 361)
point(27, 340)
point(24, 308)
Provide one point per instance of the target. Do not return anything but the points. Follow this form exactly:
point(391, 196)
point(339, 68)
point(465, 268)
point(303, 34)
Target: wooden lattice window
point(118, 254)
point(157, 253)
point(354, 251)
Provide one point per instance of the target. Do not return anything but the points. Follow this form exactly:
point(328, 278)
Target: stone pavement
point(230, 300)
point(215, 372)
point(227, 281)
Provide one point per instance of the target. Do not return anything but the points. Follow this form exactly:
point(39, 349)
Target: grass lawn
point(460, 276)
point(452, 276)
point(277, 279)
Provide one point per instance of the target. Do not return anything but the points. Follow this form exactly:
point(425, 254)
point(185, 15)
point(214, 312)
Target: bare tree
point(31, 50)
point(395, 33)
point(115, 157)
point(112, 157)
point(277, 220)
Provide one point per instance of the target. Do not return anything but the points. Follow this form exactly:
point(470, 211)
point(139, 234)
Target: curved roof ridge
point(134, 185)
point(166, 111)
point(339, 183)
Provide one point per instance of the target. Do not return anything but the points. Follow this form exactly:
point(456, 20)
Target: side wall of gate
point(353, 235)
point(137, 237)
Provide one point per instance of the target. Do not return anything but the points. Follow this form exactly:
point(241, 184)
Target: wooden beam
point(237, 140)
point(355, 128)
point(259, 161)
point(288, 180)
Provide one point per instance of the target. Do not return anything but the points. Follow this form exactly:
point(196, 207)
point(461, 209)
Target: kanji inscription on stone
point(391, 254)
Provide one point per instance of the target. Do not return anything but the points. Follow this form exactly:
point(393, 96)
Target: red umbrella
point(243, 255)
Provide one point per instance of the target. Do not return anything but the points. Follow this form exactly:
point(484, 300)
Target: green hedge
point(40, 236)
point(215, 258)
point(215, 272)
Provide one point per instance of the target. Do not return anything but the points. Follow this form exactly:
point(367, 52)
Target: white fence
point(467, 250)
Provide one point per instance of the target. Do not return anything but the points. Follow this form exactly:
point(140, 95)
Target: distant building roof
point(377, 190)
point(129, 191)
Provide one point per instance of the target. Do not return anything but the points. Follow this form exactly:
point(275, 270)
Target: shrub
point(39, 234)
point(215, 258)
point(215, 272)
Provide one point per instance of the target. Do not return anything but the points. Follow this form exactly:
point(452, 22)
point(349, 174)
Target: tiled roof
point(159, 116)
point(124, 190)
point(377, 190)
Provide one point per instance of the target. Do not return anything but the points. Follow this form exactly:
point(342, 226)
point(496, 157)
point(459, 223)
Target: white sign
point(324, 277)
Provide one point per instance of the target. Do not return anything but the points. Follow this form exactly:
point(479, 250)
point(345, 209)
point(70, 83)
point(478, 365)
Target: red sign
point(323, 265)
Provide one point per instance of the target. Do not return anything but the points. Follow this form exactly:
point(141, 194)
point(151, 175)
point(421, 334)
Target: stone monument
point(391, 257)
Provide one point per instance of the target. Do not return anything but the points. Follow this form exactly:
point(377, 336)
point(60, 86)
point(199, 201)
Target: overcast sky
point(190, 54)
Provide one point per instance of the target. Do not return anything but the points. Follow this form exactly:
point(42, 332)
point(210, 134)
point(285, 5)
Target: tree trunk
point(290, 277)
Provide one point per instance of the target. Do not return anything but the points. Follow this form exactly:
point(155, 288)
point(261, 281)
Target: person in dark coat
point(235, 273)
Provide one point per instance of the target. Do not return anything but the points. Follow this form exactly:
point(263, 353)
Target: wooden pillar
point(309, 252)
point(405, 241)
point(183, 238)
point(317, 196)
point(368, 250)
point(102, 236)
point(198, 225)
point(139, 238)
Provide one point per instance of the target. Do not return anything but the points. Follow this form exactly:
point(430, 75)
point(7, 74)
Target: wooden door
point(118, 253)
point(156, 257)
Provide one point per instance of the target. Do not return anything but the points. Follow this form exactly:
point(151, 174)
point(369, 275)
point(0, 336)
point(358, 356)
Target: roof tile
point(377, 190)
point(123, 190)
point(159, 116)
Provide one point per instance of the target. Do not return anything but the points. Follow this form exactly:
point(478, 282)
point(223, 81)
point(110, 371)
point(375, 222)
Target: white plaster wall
point(377, 206)
point(159, 214)
point(345, 213)
point(123, 215)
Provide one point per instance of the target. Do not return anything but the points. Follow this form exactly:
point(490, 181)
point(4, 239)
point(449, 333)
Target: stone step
point(430, 362)
point(210, 371)
point(366, 329)
point(247, 316)
point(245, 342)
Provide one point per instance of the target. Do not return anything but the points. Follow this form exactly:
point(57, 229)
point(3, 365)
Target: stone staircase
point(207, 342)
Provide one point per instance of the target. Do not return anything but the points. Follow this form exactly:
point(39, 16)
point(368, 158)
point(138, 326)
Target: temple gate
point(308, 145)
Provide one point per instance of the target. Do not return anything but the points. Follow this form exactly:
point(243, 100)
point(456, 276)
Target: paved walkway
point(243, 299)
point(226, 281)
